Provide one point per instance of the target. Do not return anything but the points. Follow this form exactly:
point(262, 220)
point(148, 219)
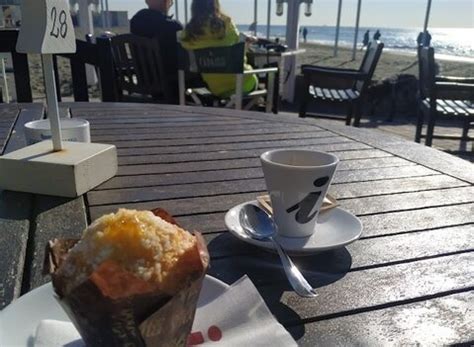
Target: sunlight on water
point(447, 41)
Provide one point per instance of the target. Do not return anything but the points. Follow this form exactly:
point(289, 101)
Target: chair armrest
point(260, 71)
point(468, 80)
point(327, 68)
point(454, 91)
point(449, 86)
point(343, 74)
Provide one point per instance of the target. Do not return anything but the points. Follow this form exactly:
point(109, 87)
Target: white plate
point(19, 320)
point(335, 228)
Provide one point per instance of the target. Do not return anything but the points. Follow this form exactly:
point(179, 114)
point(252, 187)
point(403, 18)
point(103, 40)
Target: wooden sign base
point(71, 172)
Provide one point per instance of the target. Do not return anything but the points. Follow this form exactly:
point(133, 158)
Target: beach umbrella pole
point(86, 26)
point(176, 10)
point(338, 25)
point(107, 17)
point(292, 31)
point(186, 11)
point(255, 17)
point(102, 13)
point(269, 15)
point(356, 34)
point(427, 16)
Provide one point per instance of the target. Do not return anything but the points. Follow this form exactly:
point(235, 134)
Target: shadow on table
point(232, 259)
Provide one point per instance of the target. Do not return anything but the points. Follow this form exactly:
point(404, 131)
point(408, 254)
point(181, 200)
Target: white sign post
point(54, 167)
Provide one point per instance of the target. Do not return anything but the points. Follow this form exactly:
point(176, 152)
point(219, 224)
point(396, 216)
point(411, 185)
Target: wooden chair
point(346, 86)
point(99, 55)
point(86, 53)
point(21, 70)
point(442, 97)
point(139, 69)
point(223, 60)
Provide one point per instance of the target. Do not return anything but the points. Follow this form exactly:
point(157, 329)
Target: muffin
point(133, 278)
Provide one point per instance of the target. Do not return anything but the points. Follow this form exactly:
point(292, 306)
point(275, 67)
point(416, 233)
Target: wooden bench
point(323, 84)
point(443, 97)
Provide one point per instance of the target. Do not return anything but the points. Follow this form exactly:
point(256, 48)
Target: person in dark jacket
point(366, 39)
point(377, 35)
point(154, 22)
point(305, 34)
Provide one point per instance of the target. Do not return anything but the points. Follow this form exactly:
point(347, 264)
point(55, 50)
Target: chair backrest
point(96, 54)
point(427, 71)
point(139, 66)
point(87, 53)
point(213, 60)
point(369, 63)
point(21, 71)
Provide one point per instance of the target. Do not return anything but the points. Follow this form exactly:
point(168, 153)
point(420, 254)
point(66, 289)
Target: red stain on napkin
point(214, 333)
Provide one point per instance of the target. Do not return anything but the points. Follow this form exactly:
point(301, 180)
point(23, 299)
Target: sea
point(449, 43)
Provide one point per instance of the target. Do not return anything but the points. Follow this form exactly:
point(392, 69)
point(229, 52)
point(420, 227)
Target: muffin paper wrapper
point(149, 319)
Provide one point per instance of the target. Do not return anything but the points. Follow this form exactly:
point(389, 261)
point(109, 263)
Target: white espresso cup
point(76, 130)
point(297, 181)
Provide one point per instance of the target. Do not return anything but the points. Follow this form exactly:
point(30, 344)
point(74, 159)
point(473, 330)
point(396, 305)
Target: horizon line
point(362, 26)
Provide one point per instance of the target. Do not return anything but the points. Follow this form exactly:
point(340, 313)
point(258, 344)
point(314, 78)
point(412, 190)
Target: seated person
point(154, 22)
point(209, 27)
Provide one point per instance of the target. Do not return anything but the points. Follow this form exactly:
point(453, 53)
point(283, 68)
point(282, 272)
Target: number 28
point(61, 28)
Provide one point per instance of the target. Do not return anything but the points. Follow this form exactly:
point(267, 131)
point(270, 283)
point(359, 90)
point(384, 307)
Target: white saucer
point(335, 228)
point(19, 320)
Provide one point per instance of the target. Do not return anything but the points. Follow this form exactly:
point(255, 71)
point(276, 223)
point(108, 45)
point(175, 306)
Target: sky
point(374, 13)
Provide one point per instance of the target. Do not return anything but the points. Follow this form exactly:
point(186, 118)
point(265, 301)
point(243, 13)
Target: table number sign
point(46, 28)
point(54, 167)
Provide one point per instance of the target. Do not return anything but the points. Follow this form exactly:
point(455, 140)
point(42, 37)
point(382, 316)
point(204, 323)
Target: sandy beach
point(391, 63)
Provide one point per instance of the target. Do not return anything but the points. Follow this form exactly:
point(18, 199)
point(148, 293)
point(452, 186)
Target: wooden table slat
point(235, 140)
point(15, 212)
point(219, 164)
point(122, 181)
point(373, 287)
point(148, 151)
point(360, 206)
point(445, 320)
point(409, 201)
point(150, 188)
point(8, 116)
point(206, 133)
point(234, 154)
point(173, 125)
point(374, 225)
point(54, 217)
point(364, 254)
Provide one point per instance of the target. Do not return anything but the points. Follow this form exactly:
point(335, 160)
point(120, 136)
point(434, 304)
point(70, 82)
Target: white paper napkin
point(57, 333)
point(242, 317)
point(238, 317)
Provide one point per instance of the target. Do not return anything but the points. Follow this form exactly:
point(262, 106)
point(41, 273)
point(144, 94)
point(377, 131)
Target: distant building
point(116, 19)
point(10, 2)
point(10, 14)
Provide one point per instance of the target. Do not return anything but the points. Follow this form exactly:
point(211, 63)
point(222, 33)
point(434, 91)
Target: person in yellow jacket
point(209, 27)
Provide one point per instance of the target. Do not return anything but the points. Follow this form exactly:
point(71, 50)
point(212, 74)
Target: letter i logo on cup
point(297, 181)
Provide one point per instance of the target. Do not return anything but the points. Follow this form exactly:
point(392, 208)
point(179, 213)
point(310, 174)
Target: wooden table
point(409, 279)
